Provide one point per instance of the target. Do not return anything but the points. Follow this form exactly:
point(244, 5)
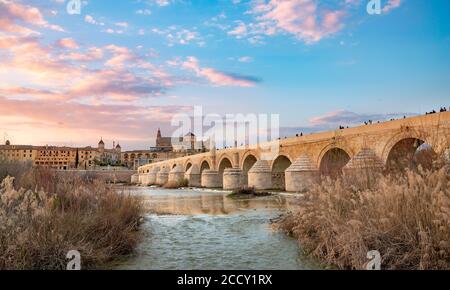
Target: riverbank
point(44, 216)
point(402, 216)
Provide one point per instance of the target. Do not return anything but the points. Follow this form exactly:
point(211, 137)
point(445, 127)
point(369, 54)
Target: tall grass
point(405, 216)
point(44, 216)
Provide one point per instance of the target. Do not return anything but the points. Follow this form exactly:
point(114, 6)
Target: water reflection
point(198, 202)
point(205, 230)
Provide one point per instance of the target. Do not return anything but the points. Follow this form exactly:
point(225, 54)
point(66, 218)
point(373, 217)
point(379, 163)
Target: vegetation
point(405, 216)
point(247, 192)
point(44, 216)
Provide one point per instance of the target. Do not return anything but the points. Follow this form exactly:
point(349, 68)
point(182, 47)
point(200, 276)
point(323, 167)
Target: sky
point(120, 69)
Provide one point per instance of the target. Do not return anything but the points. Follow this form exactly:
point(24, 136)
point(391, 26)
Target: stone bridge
point(300, 160)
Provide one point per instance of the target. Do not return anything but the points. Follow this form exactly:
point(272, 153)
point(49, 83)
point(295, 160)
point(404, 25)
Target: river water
point(206, 230)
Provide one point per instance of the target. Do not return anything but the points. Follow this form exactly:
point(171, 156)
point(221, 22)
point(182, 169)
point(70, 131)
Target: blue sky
point(318, 64)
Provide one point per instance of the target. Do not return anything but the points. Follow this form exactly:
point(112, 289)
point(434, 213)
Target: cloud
point(180, 36)
point(117, 81)
point(122, 24)
point(391, 5)
point(92, 54)
point(217, 77)
point(245, 59)
point(144, 12)
point(162, 2)
point(302, 18)
point(118, 75)
point(91, 20)
point(11, 13)
point(67, 43)
point(121, 55)
point(32, 121)
point(310, 21)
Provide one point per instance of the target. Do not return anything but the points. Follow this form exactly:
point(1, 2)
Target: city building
point(165, 148)
point(89, 158)
point(61, 157)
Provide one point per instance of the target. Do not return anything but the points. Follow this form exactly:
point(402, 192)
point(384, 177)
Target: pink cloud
point(124, 76)
point(92, 54)
point(391, 5)
point(302, 18)
point(121, 55)
point(40, 121)
point(217, 77)
point(67, 43)
point(11, 13)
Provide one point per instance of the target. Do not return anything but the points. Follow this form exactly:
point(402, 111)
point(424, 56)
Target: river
point(206, 230)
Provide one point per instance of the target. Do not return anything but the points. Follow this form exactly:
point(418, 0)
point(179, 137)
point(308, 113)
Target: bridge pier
point(232, 178)
point(162, 177)
point(301, 175)
point(193, 176)
point(135, 178)
point(145, 180)
point(176, 175)
point(363, 168)
point(141, 175)
point(210, 179)
point(260, 176)
point(152, 175)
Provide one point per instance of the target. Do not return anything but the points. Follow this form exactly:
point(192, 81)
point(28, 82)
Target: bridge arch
point(409, 150)
point(333, 159)
point(223, 156)
point(204, 165)
point(187, 165)
point(279, 166)
point(406, 134)
point(224, 163)
point(253, 155)
point(248, 160)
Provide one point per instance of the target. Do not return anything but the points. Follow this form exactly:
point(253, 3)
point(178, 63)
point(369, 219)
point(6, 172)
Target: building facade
point(62, 158)
point(89, 158)
point(165, 148)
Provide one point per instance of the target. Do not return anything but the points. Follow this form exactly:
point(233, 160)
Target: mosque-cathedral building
point(90, 158)
point(165, 148)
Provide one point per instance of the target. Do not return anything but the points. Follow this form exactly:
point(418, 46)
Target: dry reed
point(405, 216)
point(43, 216)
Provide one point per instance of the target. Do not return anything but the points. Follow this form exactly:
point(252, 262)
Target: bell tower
point(158, 138)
